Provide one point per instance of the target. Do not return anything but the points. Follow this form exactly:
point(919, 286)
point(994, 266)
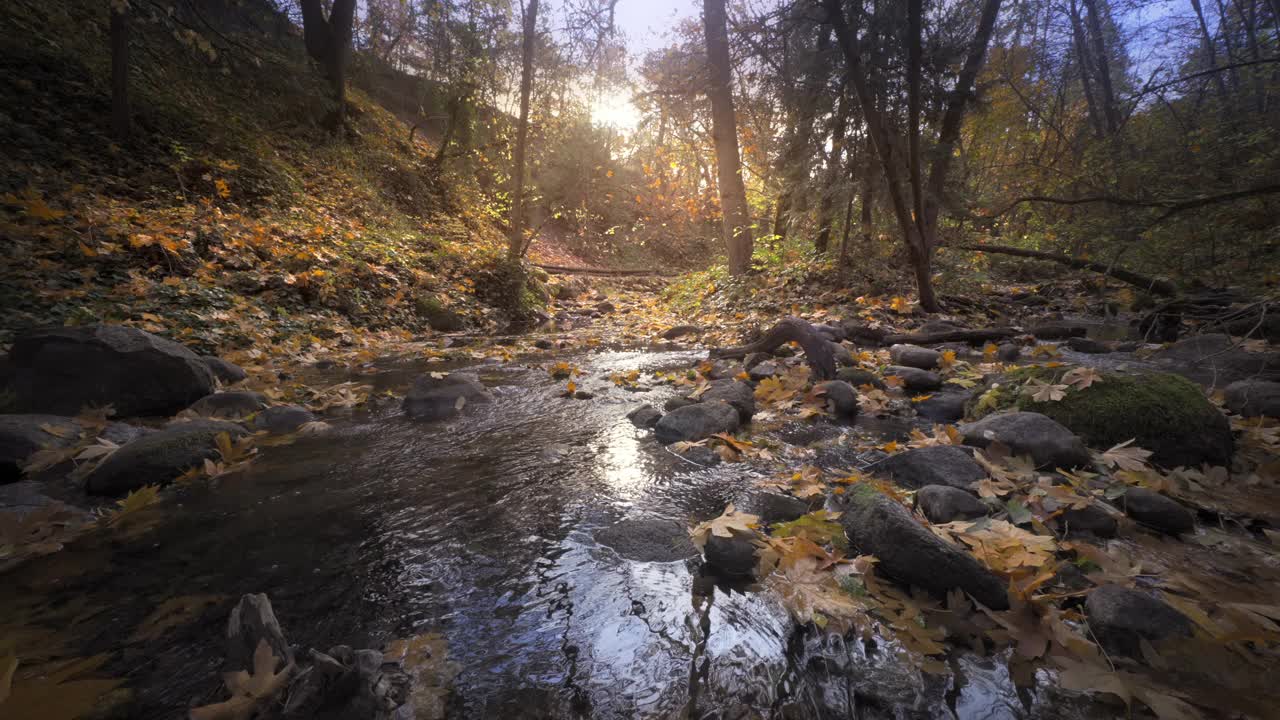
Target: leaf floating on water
point(172, 613)
point(247, 691)
point(729, 522)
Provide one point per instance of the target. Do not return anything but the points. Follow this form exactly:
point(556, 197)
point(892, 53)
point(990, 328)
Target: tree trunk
point(528, 39)
point(724, 130)
point(120, 71)
point(328, 42)
point(1110, 111)
point(1082, 59)
point(835, 169)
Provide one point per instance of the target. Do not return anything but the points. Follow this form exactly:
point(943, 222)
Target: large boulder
point(1164, 413)
point(1122, 618)
point(909, 553)
point(436, 398)
point(858, 377)
point(158, 458)
point(1216, 359)
point(1050, 444)
point(934, 465)
point(695, 422)
point(1253, 398)
point(62, 370)
point(21, 436)
point(734, 392)
point(914, 356)
point(1091, 519)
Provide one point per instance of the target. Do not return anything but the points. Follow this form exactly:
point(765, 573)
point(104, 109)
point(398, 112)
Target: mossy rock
point(1164, 413)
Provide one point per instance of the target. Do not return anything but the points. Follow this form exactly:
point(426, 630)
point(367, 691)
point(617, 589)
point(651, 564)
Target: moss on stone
point(1166, 414)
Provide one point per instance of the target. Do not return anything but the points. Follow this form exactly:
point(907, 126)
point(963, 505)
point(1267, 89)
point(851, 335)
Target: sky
point(647, 25)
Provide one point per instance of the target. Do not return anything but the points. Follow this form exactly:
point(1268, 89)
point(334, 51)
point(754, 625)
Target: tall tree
point(516, 242)
point(120, 69)
point(328, 41)
point(735, 214)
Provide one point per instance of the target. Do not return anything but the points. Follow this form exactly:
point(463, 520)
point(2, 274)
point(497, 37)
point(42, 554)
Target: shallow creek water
point(482, 529)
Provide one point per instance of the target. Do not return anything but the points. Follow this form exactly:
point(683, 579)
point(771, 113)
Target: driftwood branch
point(877, 336)
point(817, 346)
point(1155, 285)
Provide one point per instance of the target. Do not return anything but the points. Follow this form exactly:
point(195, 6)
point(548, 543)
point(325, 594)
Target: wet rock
point(1008, 352)
point(158, 458)
point(915, 379)
point(1088, 346)
point(251, 622)
point(762, 370)
point(773, 508)
point(543, 344)
point(1164, 413)
point(645, 416)
point(841, 398)
point(62, 370)
point(433, 398)
point(943, 503)
point(1058, 331)
point(734, 392)
point(844, 356)
point(282, 419)
point(1090, 519)
point(1218, 360)
point(754, 359)
point(226, 371)
point(1157, 511)
point(695, 422)
point(944, 407)
point(858, 377)
point(1253, 398)
point(701, 455)
point(21, 436)
point(648, 540)
point(911, 554)
point(915, 356)
point(725, 370)
point(605, 306)
point(731, 557)
point(1027, 433)
point(680, 331)
point(234, 404)
point(1122, 618)
point(934, 465)
point(583, 395)
point(676, 403)
point(834, 333)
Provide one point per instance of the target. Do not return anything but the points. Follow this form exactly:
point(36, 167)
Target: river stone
point(676, 403)
point(1089, 519)
point(158, 458)
point(844, 357)
point(1008, 352)
point(773, 508)
point(645, 416)
point(943, 503)
point(1216, 359)
point(1027, 433)
point(944, 407)
point(1088, 346)
point(841, 398)
point(911, 554)
point(914, 356)
point(915, 379)
point(1122, 617)
point(282, 419)
point(1253, 398)
point(234, 404)
point(695, 422)
point(934, 465)
point(754, 359)
point(648, 540)
point(433, 398)
point(251, 622)
point(62, 370)
point(858, 377)
point(226, 371)
point(763, 370)
point(734, 392)
point(21, 436)
point(701, 455)
point(731, 557)
point(1157, 511)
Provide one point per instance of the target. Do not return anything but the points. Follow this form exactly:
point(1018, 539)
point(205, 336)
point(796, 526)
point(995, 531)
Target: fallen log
point(818, 350)
point(1150, 284)
point(608, 272)
point(877, 336)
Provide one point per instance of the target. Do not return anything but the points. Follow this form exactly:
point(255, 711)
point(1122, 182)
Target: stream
point(483, 529)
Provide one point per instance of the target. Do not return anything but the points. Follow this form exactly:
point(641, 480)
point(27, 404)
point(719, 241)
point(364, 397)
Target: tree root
point(817, 346)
